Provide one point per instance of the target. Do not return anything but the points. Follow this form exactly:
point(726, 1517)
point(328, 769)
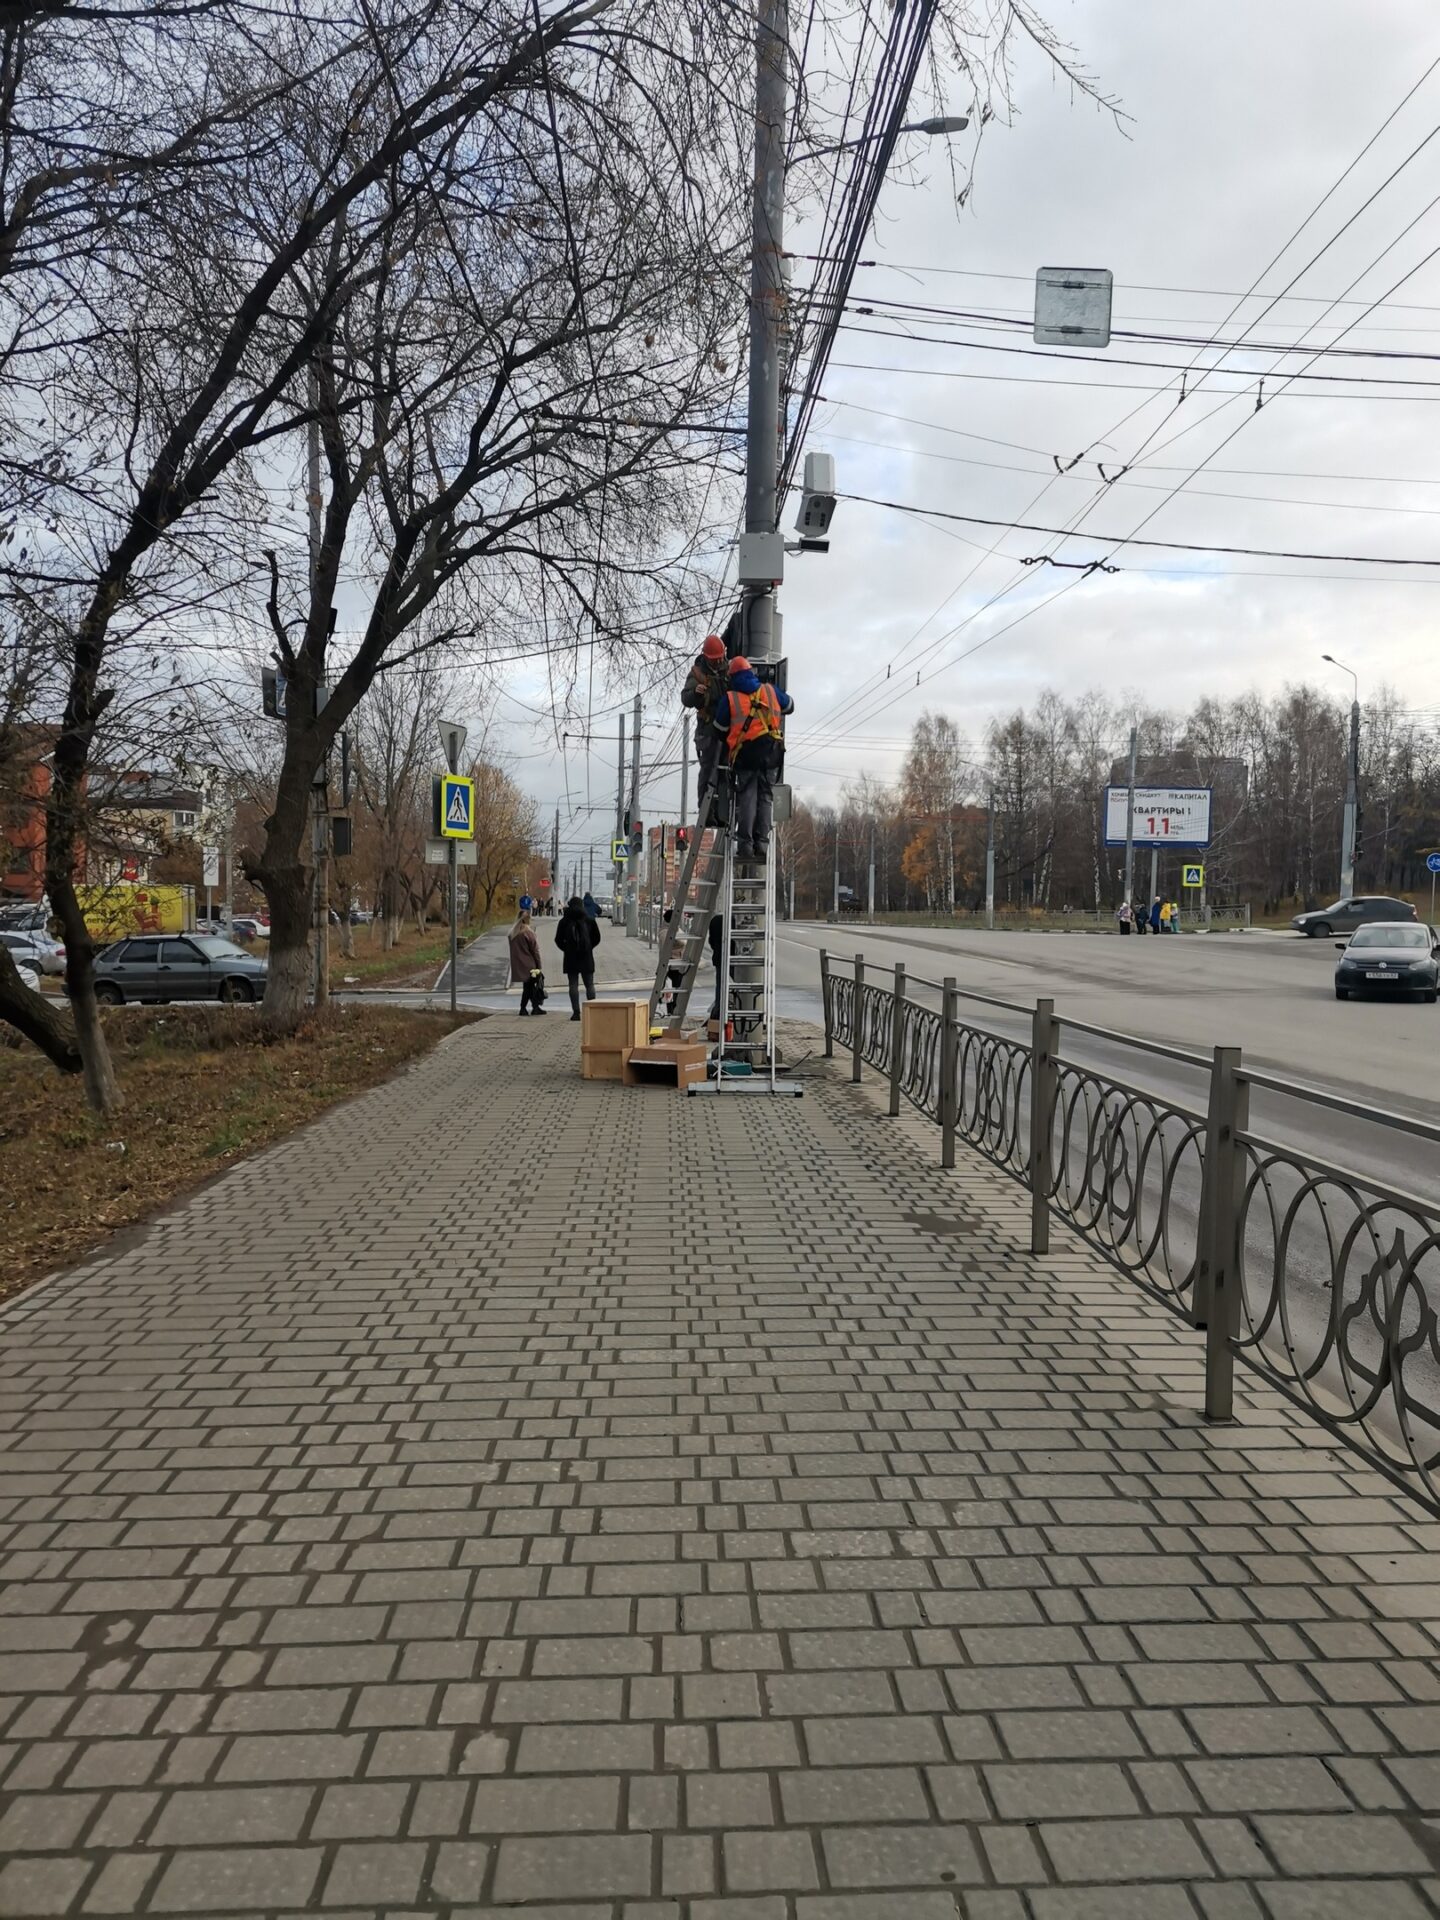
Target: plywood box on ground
point(603, 1063)
point(613, 1024)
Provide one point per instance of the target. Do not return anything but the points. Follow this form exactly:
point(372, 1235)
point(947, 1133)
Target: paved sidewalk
point(525, 1494)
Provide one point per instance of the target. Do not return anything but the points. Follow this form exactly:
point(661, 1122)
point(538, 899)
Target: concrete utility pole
point(872, 871)
point(767, 318)
point(555, 857)
point(684, 768)
point(990, 861)
point(592, 876)
point(1130, 821)
point(1154, 877)
point(836, 902)
point(319, 812)
point(1350, 832)
point(632, 865)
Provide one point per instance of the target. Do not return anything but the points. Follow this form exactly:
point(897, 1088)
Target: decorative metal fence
point(1321, 1280)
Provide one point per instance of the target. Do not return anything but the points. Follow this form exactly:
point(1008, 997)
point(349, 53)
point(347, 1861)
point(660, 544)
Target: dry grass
point(414, 961)
point(203, 1086)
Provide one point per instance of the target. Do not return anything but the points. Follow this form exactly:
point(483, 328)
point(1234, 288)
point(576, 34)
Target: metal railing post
point(949, 1060)
point(825, 1003)
point(857, 1028)
point(1043, 1028)
point(1217, 1264)
point(897, 1036)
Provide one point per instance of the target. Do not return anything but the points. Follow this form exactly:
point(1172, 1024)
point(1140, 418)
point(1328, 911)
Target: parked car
point(25, 916)
point(28, 976)
point(249, 926)
point(1345, 915)
point(360, 916)
point(35, 950)
point(194, 966)
point(1388, 958)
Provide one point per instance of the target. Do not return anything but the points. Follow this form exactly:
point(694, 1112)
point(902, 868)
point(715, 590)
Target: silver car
point(36, 950)
point(192, 966)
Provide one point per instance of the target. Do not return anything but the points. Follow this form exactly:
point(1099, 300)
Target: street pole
point(990, 860)
point(836, 902)
point(1352, 800)
point(1154, 876)
point(555, 857)
point(230, 854)
point(872, 872)
point(592, 874)
point(616, 865)
point(1130, 822)
point(452, 758)
point(632, 865)
point(319, 820)
point(684, 768)
point(767, 313)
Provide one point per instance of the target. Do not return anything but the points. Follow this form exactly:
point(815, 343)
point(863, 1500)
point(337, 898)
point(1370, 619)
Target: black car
point(193, 966)
point(1385, 958)
point(1345, 915)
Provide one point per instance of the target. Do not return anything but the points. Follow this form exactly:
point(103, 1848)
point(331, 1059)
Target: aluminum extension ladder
point(743, 893)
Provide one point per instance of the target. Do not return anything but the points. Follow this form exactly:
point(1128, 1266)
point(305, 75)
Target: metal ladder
point(744, 894)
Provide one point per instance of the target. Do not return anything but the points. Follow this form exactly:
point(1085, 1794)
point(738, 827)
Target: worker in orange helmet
point(704, 686)
point(750, 719)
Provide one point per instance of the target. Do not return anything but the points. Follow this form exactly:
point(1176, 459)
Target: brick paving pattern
point(447, 1512)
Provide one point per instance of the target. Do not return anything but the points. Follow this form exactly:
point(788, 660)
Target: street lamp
point(1352, 785)
point(940, 124)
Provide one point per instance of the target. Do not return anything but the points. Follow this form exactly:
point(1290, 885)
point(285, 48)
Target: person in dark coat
point(705, 686)
point(526, 967)
point(577, 937)
point(592, 907)
point(750, 719)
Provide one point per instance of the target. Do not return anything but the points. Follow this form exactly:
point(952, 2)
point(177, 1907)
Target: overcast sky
point(1241, 118)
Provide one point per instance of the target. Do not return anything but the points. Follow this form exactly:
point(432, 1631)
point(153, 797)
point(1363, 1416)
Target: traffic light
point(637, 838)
point(682, 839)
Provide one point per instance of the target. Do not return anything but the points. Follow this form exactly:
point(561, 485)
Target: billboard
point(1164, 816)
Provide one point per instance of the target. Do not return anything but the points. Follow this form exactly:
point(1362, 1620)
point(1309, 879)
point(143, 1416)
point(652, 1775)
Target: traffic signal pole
point(767, 313)
point(632, 864)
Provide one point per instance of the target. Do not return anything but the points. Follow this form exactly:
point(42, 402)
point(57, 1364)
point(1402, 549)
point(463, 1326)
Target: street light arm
point(944, 123)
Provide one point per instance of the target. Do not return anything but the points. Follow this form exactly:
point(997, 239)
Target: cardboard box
point(671, 1063)
point(610, 1025)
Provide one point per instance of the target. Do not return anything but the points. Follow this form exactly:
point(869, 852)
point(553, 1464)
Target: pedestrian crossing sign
point(619, 851)
point(457, 807)
point(1192, 876)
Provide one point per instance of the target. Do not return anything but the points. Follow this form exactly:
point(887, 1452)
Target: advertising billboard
point(1164, 816)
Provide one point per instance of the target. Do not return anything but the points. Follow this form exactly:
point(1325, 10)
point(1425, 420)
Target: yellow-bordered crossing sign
point(1192, 875)
point(457, 807)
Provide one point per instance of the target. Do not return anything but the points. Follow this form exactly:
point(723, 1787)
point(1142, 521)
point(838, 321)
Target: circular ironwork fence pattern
point(992, 1097)
point(920, 1030)
point(1339, 1279)
point(1127, 1170)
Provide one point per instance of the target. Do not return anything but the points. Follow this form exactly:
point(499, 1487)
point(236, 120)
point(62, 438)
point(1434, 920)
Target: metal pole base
point(757, 1085)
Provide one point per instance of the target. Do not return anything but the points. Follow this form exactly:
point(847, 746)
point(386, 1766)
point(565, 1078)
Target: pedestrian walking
point(704, 688)
point(1157, 918)
point(592, 907)
point(1174, 926)
point(577, 937)
point(526, 967)
point(1125, 916)
point(751, 719)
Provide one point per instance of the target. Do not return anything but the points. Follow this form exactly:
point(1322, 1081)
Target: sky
point(1240, 118)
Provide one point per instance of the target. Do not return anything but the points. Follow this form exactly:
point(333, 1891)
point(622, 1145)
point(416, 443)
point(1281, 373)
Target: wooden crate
point(666, 1064)
point(604, 1063)
point(610, 1025)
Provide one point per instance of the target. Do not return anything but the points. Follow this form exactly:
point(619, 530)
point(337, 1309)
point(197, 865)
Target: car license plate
point(1383, 973)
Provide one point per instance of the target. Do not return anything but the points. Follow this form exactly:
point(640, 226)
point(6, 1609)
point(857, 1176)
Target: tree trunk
point(39, 1019)
point(287, 980)
point(102, 1092)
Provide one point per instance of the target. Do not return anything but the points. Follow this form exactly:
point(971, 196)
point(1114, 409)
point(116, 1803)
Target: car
point(192, 966)
point(25, 917)
point(36, 950)
point(360, 916)
point(249, 926)
point(28, 976)
point(1343, 916)
point(1385, 958)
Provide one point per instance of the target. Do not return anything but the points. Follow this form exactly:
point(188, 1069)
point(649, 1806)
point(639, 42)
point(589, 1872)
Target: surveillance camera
point(817, 500)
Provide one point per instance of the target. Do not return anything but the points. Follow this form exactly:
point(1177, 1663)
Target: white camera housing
point(817, 499)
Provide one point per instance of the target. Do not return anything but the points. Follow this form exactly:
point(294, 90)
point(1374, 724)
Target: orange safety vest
point(753, 716)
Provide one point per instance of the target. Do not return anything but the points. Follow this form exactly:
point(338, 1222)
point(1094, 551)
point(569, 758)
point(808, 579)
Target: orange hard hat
point(714, 647)
point(740, 664)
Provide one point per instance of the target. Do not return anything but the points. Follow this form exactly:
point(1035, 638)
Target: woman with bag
point(577, 937)
point(525, 965)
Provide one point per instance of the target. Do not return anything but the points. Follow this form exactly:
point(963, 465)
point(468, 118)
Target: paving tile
point(881, 1575)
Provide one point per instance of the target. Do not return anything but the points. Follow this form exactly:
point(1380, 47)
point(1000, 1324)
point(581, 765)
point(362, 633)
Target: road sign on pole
point(1192, 876)
point(620, 850)
point(457, 807)
point(1432, 862)
point(452, 738)
point(210, 859)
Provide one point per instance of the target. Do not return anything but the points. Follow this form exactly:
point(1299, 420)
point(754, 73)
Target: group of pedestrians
point(577, 936)
point(1163, 917)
